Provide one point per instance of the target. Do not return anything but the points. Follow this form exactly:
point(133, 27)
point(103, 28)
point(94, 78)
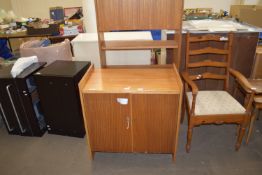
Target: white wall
point(5, 4)
point(89, 15)
point(215, 4)
point(40, 8)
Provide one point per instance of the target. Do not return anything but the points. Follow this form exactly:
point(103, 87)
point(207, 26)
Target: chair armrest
point(192, 84)
point(242, 81)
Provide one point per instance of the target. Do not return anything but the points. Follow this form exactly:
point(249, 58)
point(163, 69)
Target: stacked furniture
point(134, 108)
point(19, 102)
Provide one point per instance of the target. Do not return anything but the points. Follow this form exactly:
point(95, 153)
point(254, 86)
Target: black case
point(19, 103)
point(59, 94)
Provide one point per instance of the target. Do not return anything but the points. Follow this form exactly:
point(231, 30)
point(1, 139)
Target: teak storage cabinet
point(134, 108)
point(131, 110)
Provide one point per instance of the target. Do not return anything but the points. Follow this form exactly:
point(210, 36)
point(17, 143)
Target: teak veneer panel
point(138, 14)
point(107, 123)
point(132, 15)
point(156, 124)
point(155, 80)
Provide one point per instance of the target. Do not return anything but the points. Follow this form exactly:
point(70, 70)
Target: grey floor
point(212, 153)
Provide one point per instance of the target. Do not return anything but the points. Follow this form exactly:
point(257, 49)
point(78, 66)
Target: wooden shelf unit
point(133, 15)
point(134, 108)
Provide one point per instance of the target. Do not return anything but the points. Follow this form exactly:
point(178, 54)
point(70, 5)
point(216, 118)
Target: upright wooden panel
point(107, 123)
point(138, 14)
point(154, 121)
point(257, 68)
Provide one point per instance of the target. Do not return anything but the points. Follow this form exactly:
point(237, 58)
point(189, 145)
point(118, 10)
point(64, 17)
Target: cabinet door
point(6, 110)
point(31, 103)
point(108, 122)
point(49, 93)
point(154, 122)
point(12, 109)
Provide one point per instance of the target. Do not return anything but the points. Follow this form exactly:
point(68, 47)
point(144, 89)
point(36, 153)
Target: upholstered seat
point(215, 103)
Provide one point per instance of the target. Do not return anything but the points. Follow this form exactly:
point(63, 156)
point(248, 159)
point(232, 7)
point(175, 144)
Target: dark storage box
point(53, 29)
point(59, 94)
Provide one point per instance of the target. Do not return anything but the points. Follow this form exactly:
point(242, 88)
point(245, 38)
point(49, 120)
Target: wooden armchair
point(215, 106)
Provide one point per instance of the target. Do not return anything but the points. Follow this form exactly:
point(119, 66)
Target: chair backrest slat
point(199, 46)
point(207, 63)
point(208, 50)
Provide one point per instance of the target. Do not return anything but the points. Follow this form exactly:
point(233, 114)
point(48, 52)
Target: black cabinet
point(59, 94)
point(19, 102)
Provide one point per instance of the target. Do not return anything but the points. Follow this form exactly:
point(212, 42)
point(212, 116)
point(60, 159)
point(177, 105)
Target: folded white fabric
point(21, 64)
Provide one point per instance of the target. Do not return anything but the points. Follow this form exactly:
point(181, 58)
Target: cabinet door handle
point(6, 121)
point(13, 106)
point(128, 123)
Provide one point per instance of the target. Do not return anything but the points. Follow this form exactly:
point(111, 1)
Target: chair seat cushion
point(215, 102)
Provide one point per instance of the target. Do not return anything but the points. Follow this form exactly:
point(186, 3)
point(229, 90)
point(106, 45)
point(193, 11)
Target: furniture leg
point(240, 136)
point(238, 130)
point(174, 157)
point(258, 114)
point(253, 117)
point(183, 109)
point(92, 156)
point(189, 138)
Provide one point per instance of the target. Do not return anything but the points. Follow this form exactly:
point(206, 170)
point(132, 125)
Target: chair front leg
point(253, 117)
point(189, 136)
point(240, 136)
point(183, 108)
point(242, 130)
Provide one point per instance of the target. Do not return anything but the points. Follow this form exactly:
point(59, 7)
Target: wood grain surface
point(154, 122)
point(133, 81)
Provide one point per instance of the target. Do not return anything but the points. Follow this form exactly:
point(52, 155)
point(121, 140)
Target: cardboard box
point(251, 14)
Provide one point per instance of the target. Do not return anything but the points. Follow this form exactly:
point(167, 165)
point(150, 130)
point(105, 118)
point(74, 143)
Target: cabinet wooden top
point(139, 80)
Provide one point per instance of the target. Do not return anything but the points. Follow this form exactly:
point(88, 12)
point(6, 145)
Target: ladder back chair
point(213, 106)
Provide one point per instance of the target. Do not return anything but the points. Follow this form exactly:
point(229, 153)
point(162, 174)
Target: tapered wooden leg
point(183, 110)
point(258, 114)
point(189, 138)
point(240, 137)
point(92, 155)
point(253, 117)
point(238, 130)
point(174, 157)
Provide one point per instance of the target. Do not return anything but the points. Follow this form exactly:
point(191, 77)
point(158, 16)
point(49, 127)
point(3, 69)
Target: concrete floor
point(212, 153)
